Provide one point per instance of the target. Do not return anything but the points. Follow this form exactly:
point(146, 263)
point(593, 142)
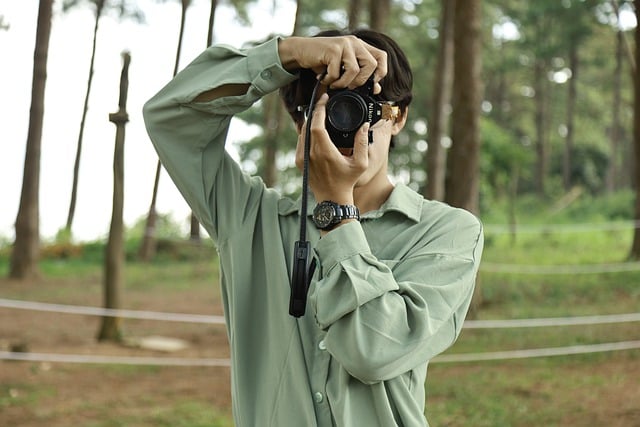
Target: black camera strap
point(304, 264)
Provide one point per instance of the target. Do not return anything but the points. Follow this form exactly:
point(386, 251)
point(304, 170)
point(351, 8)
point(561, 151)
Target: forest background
point(548, 90)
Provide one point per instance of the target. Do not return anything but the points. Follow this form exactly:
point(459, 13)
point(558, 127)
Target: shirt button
point(318, 397)
point(265, 74)
point(322, 345)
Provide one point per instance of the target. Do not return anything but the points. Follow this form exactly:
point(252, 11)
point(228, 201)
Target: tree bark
point(463, 180)
point(436, 155)
point(571, 104)
point(540, 125)
point(462, 183)
point(149, 241)
point(635, 246)
point(114, 252)
point(76, 166)
point(355, 9)
point(379, 14)
point(26, 248)
point(613, 178)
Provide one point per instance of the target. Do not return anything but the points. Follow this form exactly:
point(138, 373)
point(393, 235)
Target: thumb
point(361, 144)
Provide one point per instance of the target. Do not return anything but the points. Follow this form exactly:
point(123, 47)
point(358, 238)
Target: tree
point(635, 247)
point(462, 182)
point(379, 11)
point(114, 252)
point(148, 248)
point(101, 6)
point(26, 248)
point(436, 156)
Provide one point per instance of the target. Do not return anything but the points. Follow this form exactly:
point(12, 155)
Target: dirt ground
point(79, 394)
point(63, 394)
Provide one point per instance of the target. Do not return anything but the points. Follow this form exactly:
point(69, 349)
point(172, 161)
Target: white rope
point(560, 228)
point(538, 352)
point(447, 358)
point(98, 311)
point(111, 360)
point(559, 269)
point(552, 321)
point(198, 318)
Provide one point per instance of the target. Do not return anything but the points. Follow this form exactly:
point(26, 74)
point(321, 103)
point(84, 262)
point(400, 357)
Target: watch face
point(323, 215)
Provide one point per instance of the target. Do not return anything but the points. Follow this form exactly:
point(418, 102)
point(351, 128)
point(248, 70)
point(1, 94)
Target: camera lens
point(346, 111)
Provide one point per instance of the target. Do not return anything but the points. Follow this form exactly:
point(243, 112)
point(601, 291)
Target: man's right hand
point(347, 60)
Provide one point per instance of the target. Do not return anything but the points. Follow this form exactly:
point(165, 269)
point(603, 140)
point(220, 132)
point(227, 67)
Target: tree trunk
point(26, 248)
point(635, 247)
point(462, 183)
point(571, 104)
point(212, 18)
point(613, 178)
point(114, 253)
point(540, 125)
point(76, 166)
point(149, 242)
point(436, 155)
point(355, 9)
point(379, 14)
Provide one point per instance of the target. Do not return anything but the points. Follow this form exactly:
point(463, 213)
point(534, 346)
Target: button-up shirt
point(389, 292)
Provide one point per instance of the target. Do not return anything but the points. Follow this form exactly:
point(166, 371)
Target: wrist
point(286, 49)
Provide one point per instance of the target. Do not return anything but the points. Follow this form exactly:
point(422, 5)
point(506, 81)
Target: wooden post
point(114, 252)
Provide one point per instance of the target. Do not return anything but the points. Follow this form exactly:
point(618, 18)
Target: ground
point(63, 394)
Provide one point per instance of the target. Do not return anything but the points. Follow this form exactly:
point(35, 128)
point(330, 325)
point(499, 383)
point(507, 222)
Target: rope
point(98, 311)
point(201, 362)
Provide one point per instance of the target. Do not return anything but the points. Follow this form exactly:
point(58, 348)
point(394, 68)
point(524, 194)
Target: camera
point(347, 110)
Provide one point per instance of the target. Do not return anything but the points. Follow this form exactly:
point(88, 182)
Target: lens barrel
point(346, 111)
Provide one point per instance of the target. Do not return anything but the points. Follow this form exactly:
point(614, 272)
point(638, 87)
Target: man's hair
point(396, 85)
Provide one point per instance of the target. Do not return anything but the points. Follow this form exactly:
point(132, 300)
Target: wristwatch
point(327, 214)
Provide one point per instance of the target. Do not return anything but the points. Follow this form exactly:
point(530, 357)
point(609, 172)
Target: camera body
point(347, 110)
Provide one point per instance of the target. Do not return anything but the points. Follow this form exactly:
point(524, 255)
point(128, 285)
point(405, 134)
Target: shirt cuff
point(265, 68)
point(341, 243)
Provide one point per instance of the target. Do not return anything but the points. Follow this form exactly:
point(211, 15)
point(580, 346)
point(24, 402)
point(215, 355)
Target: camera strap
point(304, 264)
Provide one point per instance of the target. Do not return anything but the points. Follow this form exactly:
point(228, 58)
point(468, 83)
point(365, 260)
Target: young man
point(394, 277)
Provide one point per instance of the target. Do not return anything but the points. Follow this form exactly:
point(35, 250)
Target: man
point(394, 277)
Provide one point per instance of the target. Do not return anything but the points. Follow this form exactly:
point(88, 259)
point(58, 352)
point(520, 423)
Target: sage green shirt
point(390, 292)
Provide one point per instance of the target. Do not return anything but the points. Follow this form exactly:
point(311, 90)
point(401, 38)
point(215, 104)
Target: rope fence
point(203, 362)
point(219, 320)
point(204, 319)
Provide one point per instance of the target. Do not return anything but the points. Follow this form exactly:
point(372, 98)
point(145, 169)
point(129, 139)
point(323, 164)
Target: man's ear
point(401, 120)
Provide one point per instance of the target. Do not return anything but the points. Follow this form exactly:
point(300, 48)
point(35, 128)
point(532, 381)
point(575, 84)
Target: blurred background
point(524, 113)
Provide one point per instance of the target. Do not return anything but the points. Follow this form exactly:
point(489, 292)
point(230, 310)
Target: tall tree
point(442, 81)
point(26, 248)
point(114, 252)
point(148, 248)
point(379, 11)
point(353, 13)
point(100, 7)
point(635, 247)
point(462, 182)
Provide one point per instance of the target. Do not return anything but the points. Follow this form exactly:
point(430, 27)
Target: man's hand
point(332, 175)
point(347, 60)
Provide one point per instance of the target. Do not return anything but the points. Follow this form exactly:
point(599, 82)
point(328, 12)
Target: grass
point(590, 389)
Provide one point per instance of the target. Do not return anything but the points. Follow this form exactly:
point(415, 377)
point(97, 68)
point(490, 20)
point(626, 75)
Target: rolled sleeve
point(350, 275)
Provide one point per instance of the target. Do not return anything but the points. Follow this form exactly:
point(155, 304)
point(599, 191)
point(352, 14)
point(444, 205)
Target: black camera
point(347, 110)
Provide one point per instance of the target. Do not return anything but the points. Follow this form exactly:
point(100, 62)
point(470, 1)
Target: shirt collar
point(402, 199)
